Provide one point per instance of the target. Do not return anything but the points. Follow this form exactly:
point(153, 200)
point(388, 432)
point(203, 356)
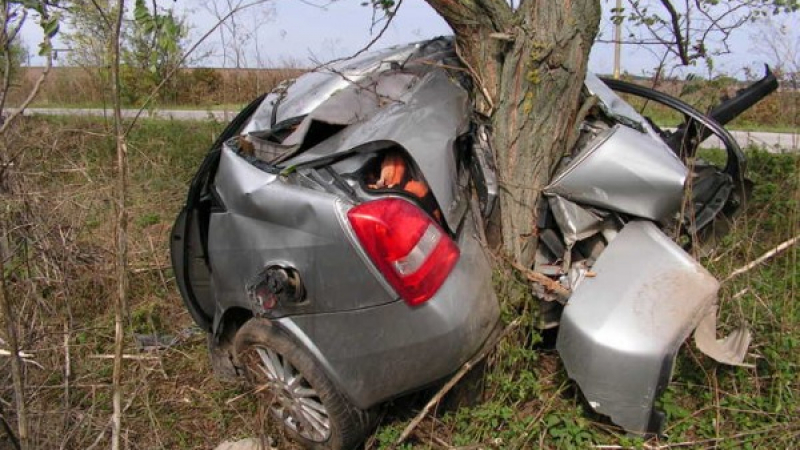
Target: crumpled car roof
point(397, 96)
point(415, 96)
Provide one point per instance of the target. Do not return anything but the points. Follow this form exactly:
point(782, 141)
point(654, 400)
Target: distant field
point(82, 87)
point(229, 89)
point(780, 112)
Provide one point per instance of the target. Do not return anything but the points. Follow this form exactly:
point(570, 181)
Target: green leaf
point(50, 26)
point(140, 12)
point(45, 48)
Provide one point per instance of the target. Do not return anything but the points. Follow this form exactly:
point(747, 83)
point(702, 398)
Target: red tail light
point(411, 251)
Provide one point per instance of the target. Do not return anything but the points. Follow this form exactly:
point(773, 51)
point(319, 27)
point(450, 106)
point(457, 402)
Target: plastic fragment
point(730, 350)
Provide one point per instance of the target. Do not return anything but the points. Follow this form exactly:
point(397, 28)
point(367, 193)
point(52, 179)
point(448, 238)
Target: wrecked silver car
point(330, 243)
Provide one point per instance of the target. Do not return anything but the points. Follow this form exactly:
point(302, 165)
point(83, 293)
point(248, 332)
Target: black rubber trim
point(735, 166)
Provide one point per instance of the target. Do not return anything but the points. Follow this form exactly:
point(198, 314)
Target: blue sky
point(297, 31)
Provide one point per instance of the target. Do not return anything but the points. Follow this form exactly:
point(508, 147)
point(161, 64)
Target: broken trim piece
point(730, 350)
point(621, 329)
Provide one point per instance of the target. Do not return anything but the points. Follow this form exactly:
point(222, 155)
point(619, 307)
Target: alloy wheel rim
point(296, 403)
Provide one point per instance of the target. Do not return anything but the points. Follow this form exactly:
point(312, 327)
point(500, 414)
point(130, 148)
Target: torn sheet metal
point(626, 171)
point(575, 222)
point(622, 328)
point(425, 121)
point(730, 350)
point(302, 96)
point(615, 107)
point(394, 97)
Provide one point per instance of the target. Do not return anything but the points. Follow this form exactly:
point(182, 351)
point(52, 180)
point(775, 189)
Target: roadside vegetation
point(196, 88)
point(171, 400)
point(230, 89)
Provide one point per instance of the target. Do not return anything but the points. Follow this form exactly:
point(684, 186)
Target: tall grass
point(62, 281)
point(198, 87)
point(63, 285)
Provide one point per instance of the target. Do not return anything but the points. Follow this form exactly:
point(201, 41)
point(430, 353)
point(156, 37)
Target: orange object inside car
point(395, 174)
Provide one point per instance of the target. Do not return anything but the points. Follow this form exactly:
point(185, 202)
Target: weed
point(148, 219)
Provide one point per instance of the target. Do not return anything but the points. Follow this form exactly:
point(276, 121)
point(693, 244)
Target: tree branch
point(453, 381)
point(7, 75)
point(121, 231)
point(18, 379)
point(783, 246)
point(389, 18)
point(459, 14)
point(680, 40)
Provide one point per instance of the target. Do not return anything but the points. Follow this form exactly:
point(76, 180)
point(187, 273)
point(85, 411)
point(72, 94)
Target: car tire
point(305, 403)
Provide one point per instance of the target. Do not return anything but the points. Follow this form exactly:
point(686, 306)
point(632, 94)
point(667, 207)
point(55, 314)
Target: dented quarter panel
point(425, 121)
point(377, 353)
point(621, 329)
point(269, 221)
point(627, 171)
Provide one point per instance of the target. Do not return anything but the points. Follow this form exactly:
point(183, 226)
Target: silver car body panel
point(425, 121)
point(372, 345)
point(304, 94)
point(616, 107)
point(575, 222)
point(627, 171)
point(270, 221)
point(621, 329)
point(377, 353)
point(730, 350)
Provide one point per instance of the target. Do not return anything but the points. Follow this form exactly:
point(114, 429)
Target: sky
point(300, 32)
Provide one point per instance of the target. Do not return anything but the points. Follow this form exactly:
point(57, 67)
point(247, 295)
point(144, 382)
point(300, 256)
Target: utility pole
point(617, 40)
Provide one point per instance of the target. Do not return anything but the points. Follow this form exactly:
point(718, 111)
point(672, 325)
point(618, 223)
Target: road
point(772, 142)
point(175, 114)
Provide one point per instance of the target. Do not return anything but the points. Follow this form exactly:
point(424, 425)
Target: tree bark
point(529, 65)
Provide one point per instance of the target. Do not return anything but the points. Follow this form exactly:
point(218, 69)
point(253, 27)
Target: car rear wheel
point(301, 398)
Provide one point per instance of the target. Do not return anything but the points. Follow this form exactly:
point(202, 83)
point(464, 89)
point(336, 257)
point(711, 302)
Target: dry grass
point(57, 198)
point(62, 278)
point(86, 87)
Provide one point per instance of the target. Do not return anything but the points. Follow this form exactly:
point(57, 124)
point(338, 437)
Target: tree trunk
point(529, 65)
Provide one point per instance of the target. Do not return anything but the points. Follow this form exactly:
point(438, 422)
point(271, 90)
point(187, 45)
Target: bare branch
point(13, 343)
point(783, 246)
point(389, 17)
point(121, 230)
point(8, 40)
point(102, 13)
point(680, 39)
point(456, 378)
